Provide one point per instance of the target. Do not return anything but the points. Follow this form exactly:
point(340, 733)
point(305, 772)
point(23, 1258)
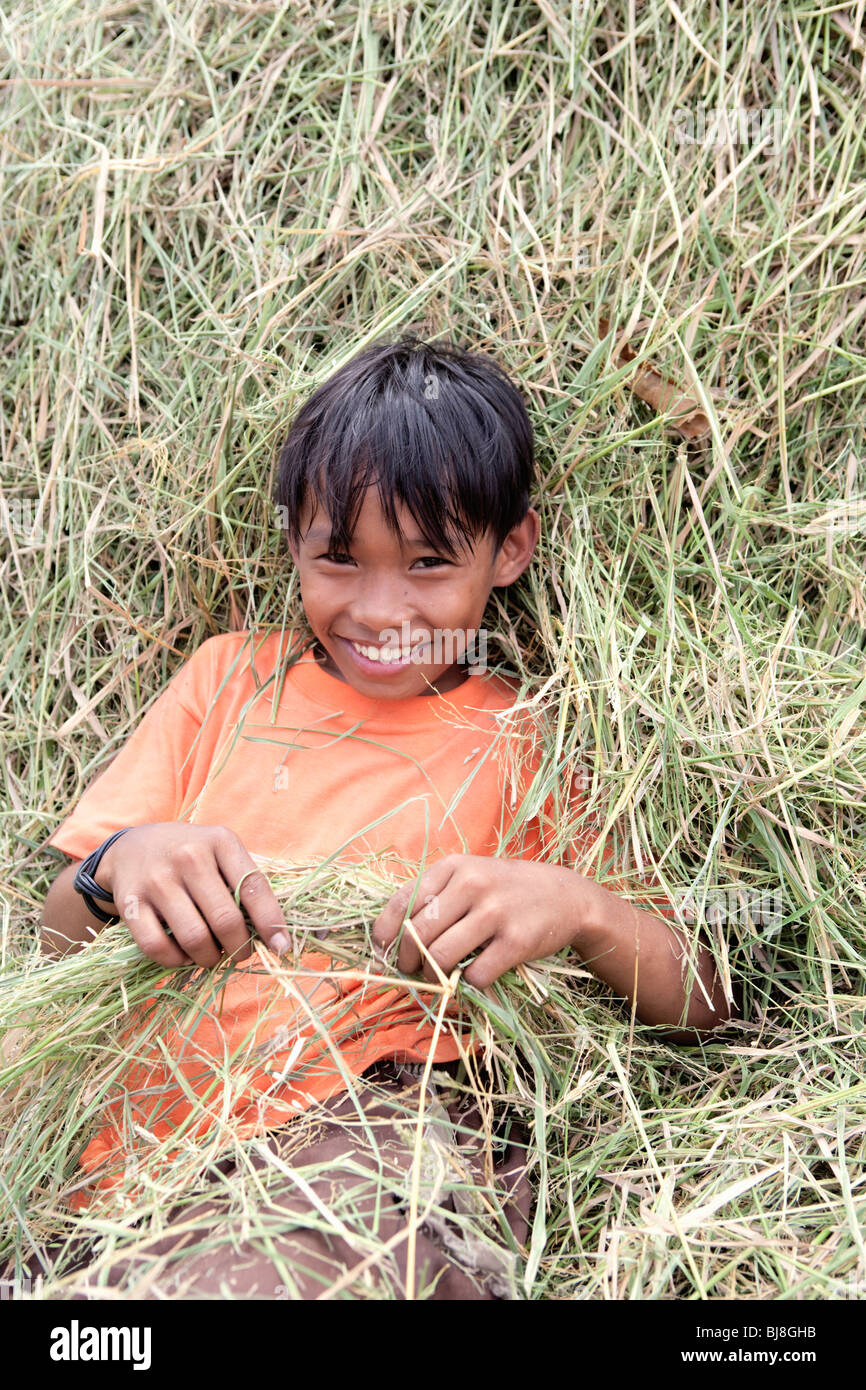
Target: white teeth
point(388, 655)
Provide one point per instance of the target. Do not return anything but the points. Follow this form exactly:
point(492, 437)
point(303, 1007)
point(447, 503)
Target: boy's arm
point(67, 922)
point(183, 889)
point(515, 910)
point(146, 780)
point(645, 959)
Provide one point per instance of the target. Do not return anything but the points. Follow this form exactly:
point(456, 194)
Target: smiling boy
point(405, 484)
point(370, 570)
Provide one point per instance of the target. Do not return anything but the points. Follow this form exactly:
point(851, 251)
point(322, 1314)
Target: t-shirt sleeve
point(150, 778)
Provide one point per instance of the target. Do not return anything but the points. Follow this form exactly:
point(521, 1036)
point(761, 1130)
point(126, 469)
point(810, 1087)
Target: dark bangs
point(441, 430)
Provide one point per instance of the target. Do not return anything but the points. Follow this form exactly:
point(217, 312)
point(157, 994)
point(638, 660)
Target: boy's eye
point(338, 556)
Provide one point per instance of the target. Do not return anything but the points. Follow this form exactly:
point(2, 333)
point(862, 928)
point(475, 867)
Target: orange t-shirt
point(303, 767)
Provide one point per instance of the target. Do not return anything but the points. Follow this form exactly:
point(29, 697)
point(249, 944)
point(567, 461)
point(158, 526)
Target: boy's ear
point(517, 550)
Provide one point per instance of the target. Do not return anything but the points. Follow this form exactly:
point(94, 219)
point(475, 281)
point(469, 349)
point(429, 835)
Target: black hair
point(441, 430)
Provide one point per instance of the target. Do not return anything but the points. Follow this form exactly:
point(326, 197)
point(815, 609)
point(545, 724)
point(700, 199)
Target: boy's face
point(401, 599)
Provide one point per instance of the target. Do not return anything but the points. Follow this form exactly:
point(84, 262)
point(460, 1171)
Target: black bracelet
point(85, 884)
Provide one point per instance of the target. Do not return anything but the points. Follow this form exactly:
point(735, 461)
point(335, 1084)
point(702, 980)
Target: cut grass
point(203, 214)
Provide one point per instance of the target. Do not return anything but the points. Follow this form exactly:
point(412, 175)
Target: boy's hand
point(184, 877)
point(512, 910)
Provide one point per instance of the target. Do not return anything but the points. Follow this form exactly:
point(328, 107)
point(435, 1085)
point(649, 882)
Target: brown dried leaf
point(662, 394)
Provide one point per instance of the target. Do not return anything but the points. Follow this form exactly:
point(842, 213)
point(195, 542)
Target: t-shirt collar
point(319, 685)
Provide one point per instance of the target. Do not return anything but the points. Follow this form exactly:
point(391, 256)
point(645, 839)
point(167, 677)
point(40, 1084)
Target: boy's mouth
point(381, 660)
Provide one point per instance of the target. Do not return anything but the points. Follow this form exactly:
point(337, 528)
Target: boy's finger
point(433, 915)
point(151, 938)
point(209, 891)
point(446, 951)
point(189, 929)
point(388, 926)
point(252, 891)
point(489, 965)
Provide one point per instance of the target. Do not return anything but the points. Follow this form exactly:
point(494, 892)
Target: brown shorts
point(333, 1204)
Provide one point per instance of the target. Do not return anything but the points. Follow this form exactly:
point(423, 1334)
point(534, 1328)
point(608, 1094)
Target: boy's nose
point(377, 608)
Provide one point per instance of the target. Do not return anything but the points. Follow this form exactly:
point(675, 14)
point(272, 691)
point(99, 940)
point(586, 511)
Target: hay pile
point(710, 1160)
point(205, 215)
